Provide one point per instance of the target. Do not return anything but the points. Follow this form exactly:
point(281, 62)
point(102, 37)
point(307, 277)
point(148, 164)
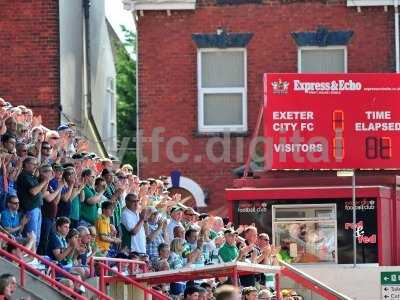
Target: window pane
point(305, 212)
point(322, 61)
point(223, 109)
point(222, 69)
point(310, 242)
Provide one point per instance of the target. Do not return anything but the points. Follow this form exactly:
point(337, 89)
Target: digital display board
point(332, 121)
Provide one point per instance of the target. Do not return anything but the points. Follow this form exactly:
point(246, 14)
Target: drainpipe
point(396, 33)
point(88, 89)
point(137, 96)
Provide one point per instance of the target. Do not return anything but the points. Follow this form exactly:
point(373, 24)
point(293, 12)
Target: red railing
point(105, 278)
point(310, 283)
point(26, 267)
point(132, 265)
point(53, 270)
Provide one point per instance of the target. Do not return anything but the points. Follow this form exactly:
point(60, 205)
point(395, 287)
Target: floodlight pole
point(353, 183)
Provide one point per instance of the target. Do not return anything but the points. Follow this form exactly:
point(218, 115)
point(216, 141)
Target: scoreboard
point(332, 121)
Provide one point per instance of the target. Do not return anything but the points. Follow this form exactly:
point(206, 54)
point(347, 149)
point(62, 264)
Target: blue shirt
point(56, 241)
point(10, 219)
point(64, 208)
point(11, 187)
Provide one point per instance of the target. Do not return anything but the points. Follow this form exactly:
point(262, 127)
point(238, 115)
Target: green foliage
point(126, 93)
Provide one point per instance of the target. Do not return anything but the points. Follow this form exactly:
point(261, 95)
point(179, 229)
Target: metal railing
point(53, 269)
point(134, 266)
point(105, 278)
point(311, 283)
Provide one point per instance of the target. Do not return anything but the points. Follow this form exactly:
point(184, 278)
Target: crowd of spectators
point(69, 205)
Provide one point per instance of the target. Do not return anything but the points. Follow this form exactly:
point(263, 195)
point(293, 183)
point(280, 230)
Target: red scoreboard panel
point(332, 121)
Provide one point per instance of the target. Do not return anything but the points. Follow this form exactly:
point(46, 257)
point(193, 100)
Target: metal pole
point(278, 286)
point(353, 181)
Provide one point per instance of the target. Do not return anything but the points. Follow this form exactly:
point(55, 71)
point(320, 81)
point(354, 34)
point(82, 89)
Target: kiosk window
point(305, 233)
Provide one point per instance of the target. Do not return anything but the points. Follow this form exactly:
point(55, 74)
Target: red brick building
point(29, 56)
point(201, 66)
point(45, 50)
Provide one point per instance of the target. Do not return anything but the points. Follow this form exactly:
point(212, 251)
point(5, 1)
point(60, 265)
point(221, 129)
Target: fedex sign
point(332, 121)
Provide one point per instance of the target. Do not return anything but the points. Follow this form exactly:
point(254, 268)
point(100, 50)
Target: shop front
point(315, 224)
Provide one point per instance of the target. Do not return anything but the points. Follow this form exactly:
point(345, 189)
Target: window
point(222, 83)
point(305, 233)
point(332, 59)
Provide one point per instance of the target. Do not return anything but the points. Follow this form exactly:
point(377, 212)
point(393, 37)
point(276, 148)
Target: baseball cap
point(229, 231)
point(62, 127)
point(57, 167)
point(175, 209)
point(77, 156)
point(191, 211)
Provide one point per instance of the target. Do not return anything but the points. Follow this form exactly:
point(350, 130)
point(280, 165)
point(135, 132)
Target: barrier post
point(235, 277)
point(102, 281)
point(278, 286)
point(22, 275)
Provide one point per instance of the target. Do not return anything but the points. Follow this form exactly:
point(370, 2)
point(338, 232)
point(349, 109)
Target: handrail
point(25, 266)
point(130, 262)
point(146, 290)
point(311, 283)
point(54, 267)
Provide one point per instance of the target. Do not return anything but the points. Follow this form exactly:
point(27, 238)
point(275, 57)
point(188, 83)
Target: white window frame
point(300, 49)
point(306, 220)
point(201, 91)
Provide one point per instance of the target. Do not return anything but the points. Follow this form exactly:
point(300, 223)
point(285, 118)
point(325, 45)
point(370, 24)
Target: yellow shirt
point(103, 228)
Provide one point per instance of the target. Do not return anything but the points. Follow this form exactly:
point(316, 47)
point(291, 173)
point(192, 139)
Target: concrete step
point(34, 287)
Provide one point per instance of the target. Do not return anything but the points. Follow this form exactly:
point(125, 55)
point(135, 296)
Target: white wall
point(71, 59)
point(361, 283)
point(102, 70)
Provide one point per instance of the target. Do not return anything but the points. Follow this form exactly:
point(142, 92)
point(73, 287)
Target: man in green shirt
point(228, 251)
point(90, 205)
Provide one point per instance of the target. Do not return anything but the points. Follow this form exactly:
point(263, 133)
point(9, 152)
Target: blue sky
point(118, 16)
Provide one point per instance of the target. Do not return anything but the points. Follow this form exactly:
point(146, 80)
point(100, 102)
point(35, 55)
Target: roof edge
point(137, 5)
point(369, 2)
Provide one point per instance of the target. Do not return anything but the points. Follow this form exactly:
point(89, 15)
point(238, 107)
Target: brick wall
point(167, 69)
point(29, 56)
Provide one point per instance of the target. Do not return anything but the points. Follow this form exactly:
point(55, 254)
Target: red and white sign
point(332, 121)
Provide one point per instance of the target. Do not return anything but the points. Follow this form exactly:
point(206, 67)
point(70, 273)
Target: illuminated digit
point(385, 150)
point(338, 120)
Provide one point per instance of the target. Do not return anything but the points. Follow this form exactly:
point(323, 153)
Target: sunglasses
point(54, 138)
point(46, 148)
point(14, 203)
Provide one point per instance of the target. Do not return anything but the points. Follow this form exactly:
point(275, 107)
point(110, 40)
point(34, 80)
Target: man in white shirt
point(176, 217)
point(132, 219)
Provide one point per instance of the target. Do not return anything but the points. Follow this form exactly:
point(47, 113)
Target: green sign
point(390, 278)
